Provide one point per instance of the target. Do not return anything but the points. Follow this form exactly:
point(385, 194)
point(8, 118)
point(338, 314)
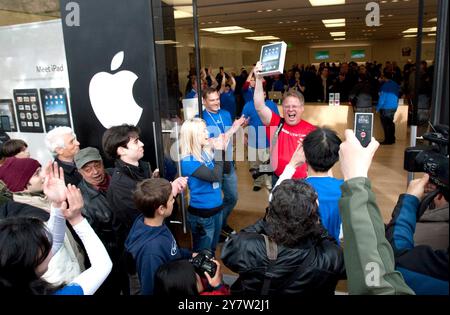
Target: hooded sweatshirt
point(151, 247)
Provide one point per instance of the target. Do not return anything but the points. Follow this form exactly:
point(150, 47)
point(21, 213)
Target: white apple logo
point(111, 96)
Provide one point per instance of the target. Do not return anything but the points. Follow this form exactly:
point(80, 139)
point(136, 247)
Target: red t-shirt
point(287, 142)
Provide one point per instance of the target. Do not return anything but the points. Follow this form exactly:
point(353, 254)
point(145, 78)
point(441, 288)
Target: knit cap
point(16, 172)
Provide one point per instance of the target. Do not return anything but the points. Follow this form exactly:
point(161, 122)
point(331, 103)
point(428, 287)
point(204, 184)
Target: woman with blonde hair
point(204, 167)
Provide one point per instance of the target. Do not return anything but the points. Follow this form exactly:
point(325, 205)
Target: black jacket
point(98, 213)
point(245, 253)
point(120, 196)
point(71, 174)
point(17, 209)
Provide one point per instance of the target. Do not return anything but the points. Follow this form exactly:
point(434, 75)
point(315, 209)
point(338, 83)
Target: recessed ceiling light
point(432, 20)
point(432, 34)
point(259, 11)
point(228, 30)
point(263, 38)
point(390, 15)
point(294, 21)
point(235, 32)
point(335, 25)
point(384, 1)
point(394, 0)
point(410, 35)
point(339, 38)
point(182, 12)
point(269, 10)
point(165, 42)
point(425, 29)
point(333, 21)
point(337, 33)
point(279, 10)
point(281, 22)
point(316, 3)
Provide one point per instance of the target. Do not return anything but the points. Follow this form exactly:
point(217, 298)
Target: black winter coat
point(124, 179)
point(245, 254)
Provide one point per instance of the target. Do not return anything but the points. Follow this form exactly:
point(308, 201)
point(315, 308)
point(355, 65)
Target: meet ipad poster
point(28, 110)
point(56, 111)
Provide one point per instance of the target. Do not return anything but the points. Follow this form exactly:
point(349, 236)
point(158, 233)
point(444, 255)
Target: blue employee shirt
point(228, 103)
point(70, 289)
point(329, 192)
point(151, 247)
point(218, 123)
point(389, 93)
point(248, 94)
point(257, 132)
point(203, 194)
point(191, 94)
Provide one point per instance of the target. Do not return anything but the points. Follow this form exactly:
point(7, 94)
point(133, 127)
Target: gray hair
point(54, 138)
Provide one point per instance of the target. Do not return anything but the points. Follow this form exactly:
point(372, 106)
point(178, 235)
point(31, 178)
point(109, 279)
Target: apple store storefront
point(95, 64)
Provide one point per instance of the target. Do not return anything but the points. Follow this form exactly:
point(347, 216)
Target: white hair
point(55, 138)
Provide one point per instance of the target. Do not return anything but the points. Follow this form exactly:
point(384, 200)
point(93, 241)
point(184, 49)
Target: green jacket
point(368, 256)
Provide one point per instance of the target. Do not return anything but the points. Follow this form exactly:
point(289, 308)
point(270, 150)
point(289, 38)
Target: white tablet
point(272, 58)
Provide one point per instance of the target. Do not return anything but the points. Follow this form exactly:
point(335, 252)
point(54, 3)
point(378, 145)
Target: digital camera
point(431, 159)
point(262, 169)
point(204, 262)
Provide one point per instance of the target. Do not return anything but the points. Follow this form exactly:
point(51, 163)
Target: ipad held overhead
point(272, 58)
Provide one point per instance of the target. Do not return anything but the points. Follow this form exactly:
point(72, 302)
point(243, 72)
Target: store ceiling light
point(425, 29)
point(316, 3)
point(339, 38)
point(263, 37)
point(334, 23)
point(182, 12)
point(432, 20)
point(166, 42)
point(337, 34)
point(410, 35)
point(235, 32)
point(227, 30)
point(432, 34)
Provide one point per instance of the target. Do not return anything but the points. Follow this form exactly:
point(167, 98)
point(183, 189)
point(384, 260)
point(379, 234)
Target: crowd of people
point(74, 227)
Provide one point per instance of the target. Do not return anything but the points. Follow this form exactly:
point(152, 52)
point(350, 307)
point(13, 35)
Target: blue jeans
point(230, 193)
point(205, 231)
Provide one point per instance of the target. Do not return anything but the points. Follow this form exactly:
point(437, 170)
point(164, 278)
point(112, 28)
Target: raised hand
point(298, 158)
point(257, 70)
point(355, 160)
point(54, 185)
point(72, 210)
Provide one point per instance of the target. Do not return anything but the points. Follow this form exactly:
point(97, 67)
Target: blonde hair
point(190, 135)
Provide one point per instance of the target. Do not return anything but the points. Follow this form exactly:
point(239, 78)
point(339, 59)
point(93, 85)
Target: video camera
point(264, 168)
point(203, 262)
point(431, 159)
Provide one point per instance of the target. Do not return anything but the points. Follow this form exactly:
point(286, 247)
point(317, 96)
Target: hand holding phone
point(363, 128)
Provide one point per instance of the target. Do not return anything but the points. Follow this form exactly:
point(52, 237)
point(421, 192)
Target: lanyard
point(208, 160)
point(221, 121)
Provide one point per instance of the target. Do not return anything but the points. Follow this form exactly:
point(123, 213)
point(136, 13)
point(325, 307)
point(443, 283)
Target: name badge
point(216, 185)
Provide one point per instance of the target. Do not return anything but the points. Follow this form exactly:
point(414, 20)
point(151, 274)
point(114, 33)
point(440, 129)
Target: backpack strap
point(272, 254)
point(275, 135)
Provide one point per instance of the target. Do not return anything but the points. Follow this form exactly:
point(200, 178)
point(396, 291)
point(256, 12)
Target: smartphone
point(363, 128)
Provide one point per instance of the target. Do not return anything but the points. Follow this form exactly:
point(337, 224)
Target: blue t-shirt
point(228, 103)
point(248, 94)
point(191, 94)
point(70, 289)
point(218, 123)
point(203, 194)
point(257, 131)
point(329, 192)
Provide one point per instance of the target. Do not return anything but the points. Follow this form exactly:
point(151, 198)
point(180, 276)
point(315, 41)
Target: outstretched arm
point(264, 112)
point(369, 258)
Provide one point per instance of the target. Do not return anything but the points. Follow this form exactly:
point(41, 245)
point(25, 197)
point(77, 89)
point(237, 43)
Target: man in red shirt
point(292, 131)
